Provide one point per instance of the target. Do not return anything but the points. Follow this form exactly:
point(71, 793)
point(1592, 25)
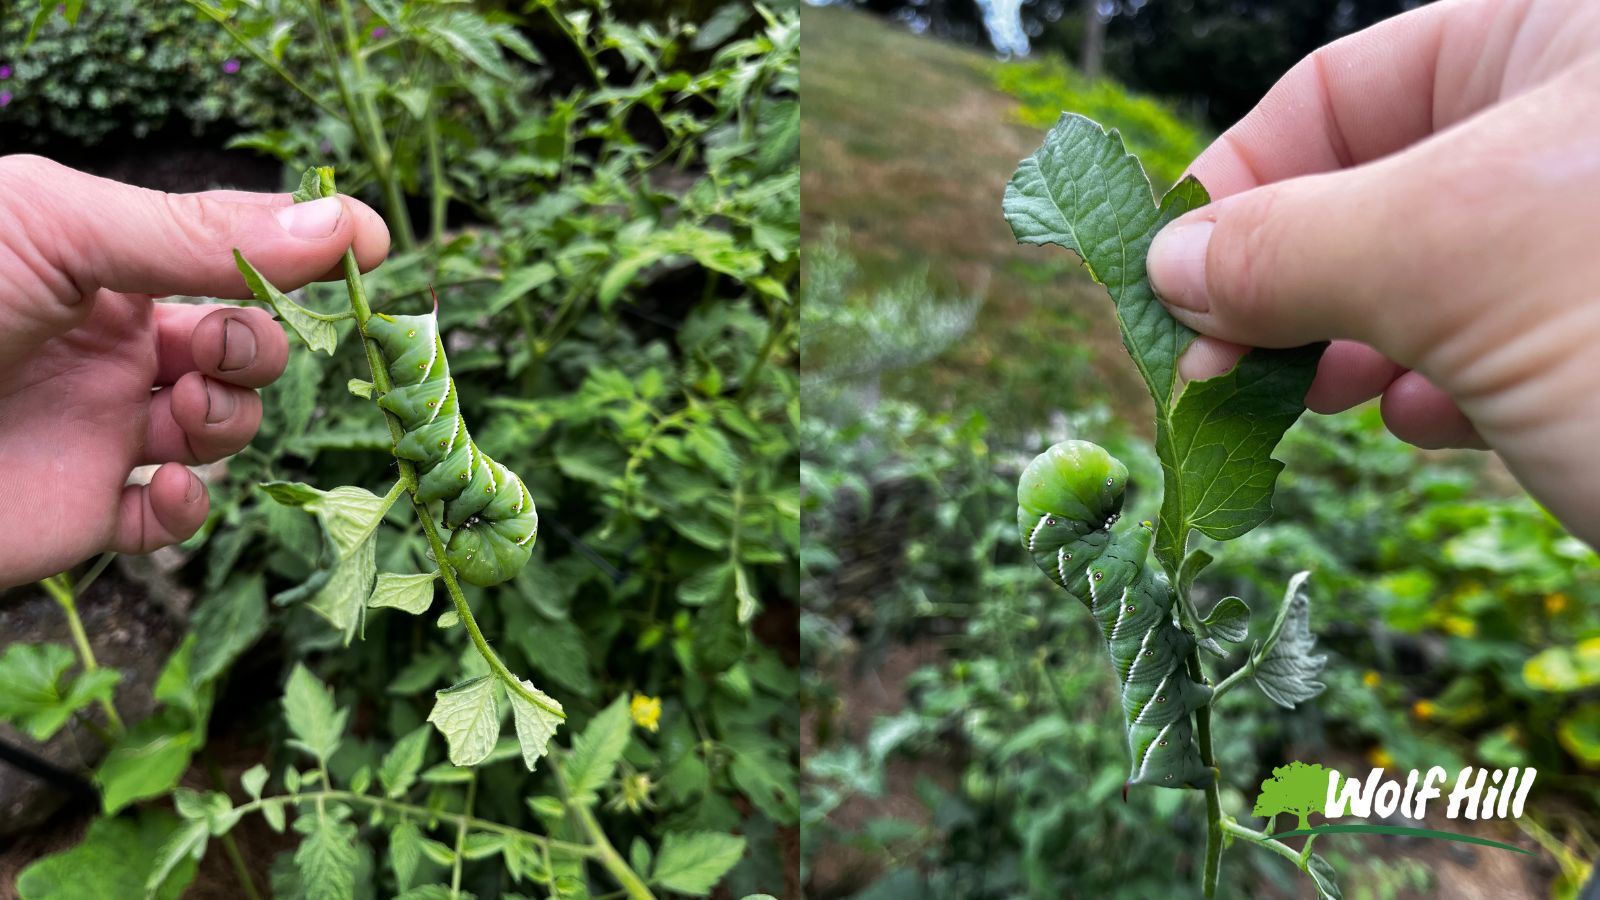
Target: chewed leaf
point(1288, 673)
point(536, 724)
point(469, 718)
point(411, 593)
point(1229, 620)
point(316, 333)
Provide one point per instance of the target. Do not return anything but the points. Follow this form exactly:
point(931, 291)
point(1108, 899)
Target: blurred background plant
point(962, 732)
point(606, 201)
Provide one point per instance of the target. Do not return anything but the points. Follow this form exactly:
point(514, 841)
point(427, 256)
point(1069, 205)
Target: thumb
point(91, 233)
point(1303, 260)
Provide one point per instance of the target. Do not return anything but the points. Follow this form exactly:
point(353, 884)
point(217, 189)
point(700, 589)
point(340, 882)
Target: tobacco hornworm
point(487, 507)
point(1069, 498)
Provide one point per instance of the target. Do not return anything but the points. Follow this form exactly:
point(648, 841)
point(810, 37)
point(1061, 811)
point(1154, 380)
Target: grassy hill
point(907, 145)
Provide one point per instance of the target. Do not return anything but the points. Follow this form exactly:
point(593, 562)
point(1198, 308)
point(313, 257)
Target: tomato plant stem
point(229, 845)
point(361, 116)
point(60, 588)
point(1202, 726)
point(408, 474)
point(1298, 857)
point(461, 837)
point(425, 814)
point(604, 853)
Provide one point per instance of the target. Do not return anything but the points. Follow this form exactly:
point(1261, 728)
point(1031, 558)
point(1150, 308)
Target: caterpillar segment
point(1069, 502)
point(489, 512)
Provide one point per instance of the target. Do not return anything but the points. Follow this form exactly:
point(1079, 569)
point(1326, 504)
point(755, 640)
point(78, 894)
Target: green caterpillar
point(1069, 498)
point(486, 506)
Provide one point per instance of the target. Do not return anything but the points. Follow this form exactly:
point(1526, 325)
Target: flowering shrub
point(127, 67)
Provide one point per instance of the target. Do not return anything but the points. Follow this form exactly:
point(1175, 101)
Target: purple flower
point(5, 72)
point(379, 32)
point(231, 67)
point(5, 98)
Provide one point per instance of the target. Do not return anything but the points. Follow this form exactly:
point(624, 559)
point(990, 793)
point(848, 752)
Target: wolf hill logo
point(1300, 789)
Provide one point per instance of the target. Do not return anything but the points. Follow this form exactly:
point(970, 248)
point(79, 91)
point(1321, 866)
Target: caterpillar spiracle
point(487, 508)
point(1068, 502)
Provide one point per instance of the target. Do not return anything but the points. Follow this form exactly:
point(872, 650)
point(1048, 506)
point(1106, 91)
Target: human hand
point(98, 379)
point(1422, 192)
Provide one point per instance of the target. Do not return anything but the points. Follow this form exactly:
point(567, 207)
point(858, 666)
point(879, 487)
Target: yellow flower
point(1380, 758)
point(1555, 604)
point(646, 711)
point(1424, 709)
point(1371, 679)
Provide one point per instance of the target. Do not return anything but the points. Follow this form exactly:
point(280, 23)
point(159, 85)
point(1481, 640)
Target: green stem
point(94, 572)
point(461, 837)
point(264, 58)
point(408, 474)
point(447, 572)
point(775, 332)
point(369, 108)
point(229, 846)
point(609, 858)
point(441, 188)
point(426, 814)
point(642, 450)
point(1270, 843)
point(604, 853)
point(1202, 723)
point(565, 27)
point(59, 587)
point(1202, 720)
point(373, 144)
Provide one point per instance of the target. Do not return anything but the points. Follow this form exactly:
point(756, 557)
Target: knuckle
point(202, 227)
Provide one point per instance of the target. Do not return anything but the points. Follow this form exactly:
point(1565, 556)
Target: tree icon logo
point(1298, 789)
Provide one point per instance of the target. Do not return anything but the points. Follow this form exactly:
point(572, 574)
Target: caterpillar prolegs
point(486, 506)
point(1068, 501)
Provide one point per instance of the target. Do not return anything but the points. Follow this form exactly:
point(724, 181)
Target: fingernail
point(220, 403)
point(309, 221)
point(238, 346)
point(1177, 265)
point(196, 488)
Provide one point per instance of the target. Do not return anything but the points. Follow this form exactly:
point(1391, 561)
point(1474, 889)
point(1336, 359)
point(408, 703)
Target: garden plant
point(612, 247)
point(1214, 439)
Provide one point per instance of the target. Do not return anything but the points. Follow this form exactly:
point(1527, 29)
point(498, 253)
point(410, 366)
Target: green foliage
point(37, 696)
point(113, 860)
point(1164, 141)
point(124, 68)
point(848, 332)
point(621, 328)
point(1460, 618)
point(693, 863)
point(1286, 669)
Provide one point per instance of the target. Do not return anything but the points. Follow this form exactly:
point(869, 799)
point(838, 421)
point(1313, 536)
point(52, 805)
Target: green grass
point(907, 145)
